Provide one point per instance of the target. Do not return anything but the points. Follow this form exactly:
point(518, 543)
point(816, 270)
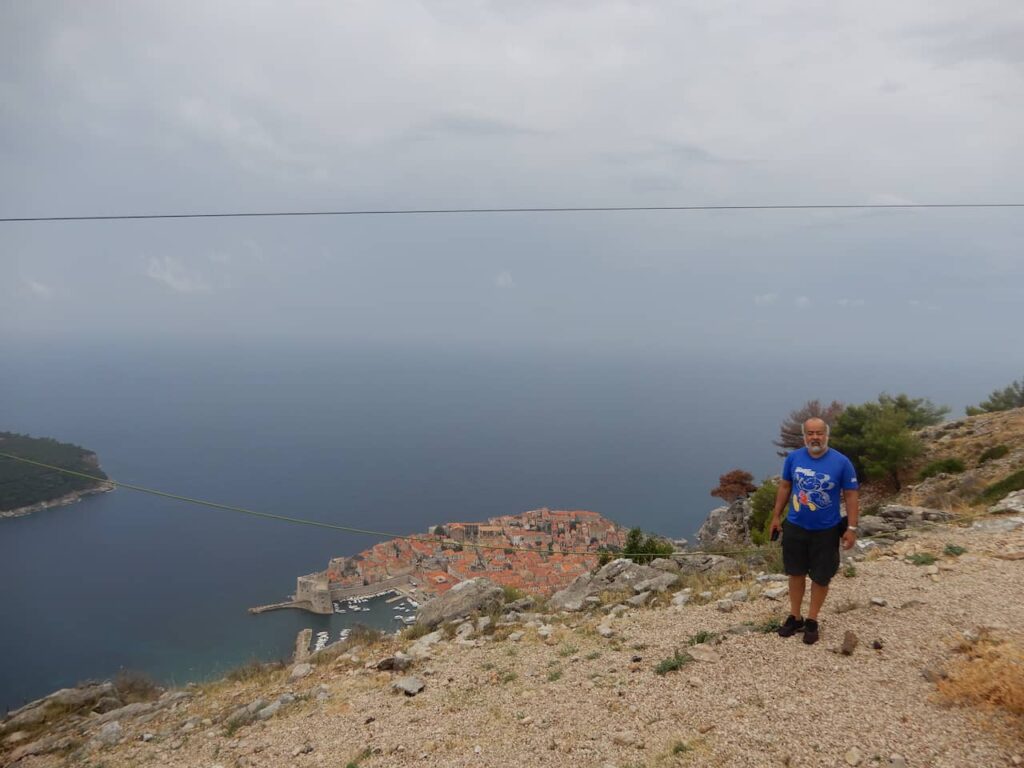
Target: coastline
point(60, 501)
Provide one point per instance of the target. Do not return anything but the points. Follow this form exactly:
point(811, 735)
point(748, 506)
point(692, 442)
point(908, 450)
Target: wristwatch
point(852, 528)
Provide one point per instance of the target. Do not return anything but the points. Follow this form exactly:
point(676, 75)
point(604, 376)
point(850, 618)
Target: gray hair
point(803, 427)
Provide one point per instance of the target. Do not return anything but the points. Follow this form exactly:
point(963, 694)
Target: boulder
point(874, 525)
point(657, 584)
point(902, 515)
point(110, 733)
point(131, 710)
point(665, 564)
point(421, 648)
point(727, 526)
point(461, 600)
point(245, 715)
point(1013, 504)
point(410, 686)
point(63, 701)
point(703, 563)
point(617, 576)
point(640, 600)
point(300, 671)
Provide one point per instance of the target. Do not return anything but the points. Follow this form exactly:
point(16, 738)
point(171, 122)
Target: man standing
point(812, 479)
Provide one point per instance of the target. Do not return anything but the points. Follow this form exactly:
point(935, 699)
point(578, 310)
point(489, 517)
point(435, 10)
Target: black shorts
point(811, 553)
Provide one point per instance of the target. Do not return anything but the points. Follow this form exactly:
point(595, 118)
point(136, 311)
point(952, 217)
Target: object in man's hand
point(775, 534)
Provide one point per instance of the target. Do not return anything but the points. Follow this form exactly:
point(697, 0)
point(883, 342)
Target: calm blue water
point(389, 439)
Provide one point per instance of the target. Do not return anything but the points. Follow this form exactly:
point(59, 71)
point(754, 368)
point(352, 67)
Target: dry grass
point(990, 674)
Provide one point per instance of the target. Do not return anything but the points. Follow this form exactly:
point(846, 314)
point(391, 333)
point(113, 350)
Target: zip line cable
point(369, 532)
point(533, 209)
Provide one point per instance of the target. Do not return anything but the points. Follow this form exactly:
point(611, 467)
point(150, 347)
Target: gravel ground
point(581, 700)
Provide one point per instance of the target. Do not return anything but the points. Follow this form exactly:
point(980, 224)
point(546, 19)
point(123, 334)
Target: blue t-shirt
point(817, 485)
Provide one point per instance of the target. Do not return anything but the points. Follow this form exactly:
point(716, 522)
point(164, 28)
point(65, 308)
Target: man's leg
point(818, 595)
point(797, 585)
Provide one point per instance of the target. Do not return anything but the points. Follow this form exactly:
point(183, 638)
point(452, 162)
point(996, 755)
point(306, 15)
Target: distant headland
point(538, 552)
point(26, 488)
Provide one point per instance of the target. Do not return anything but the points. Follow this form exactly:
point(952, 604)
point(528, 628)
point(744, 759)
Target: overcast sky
point(172, 107)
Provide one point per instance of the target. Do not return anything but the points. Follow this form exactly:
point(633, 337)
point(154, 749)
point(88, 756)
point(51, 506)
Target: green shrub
point(995, 452)
point(769, 626)
point(680, 747)
point(1008, 484)
point(878, 437)
point(554, 675)
point(641, 549)
point(762, 503)
point(921, 558)
point(674, 663)
point(702, 637)
point(512, 593)
point(942, 466)
point(1001, 400)
point(850, 570)
point(954, 550)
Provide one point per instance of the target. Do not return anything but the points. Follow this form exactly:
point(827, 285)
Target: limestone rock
point(640, 600)
point(300, 671)
point(874, 525)
point(682, 597)
point(665, 564)
point(421, 648)
point(110, 733)
point(657, 584)
point(245, 715)
point(617, 576)
point(704, 563)
point(410, 686)
point(902, 515)
point(461, 600)
point(853, 756)
point(725, 606)
point(1005, 525)
point(1012, 504)
point(704, 653)
point(775, 593)
point(727, 526)
point(397, 663)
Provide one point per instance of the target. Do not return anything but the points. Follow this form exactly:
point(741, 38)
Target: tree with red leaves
point(733, 485)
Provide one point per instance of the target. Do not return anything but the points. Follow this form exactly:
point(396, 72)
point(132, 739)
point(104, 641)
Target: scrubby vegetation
point(22, 485)
point(991, 674)
point(673, 663)
point(762, 502)
point(1001, 400)
point(878, 436)
point(643, 549)
point(941, 466)
point(995, 452)
point(1008, 484)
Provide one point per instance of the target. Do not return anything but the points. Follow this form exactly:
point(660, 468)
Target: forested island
point(26, 488)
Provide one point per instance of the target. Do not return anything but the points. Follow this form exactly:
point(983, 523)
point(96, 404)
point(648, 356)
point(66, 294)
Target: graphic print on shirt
point(811, 489)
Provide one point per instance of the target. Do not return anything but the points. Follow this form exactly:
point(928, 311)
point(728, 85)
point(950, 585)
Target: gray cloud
point(129, 108)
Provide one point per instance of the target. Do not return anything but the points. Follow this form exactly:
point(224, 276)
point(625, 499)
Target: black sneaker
point(791, 626)
point(811, 634)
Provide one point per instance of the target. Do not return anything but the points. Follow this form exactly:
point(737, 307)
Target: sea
point(391, 439)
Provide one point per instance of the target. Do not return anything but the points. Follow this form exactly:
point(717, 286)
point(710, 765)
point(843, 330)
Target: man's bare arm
point(781, 499)
point(852, 500)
